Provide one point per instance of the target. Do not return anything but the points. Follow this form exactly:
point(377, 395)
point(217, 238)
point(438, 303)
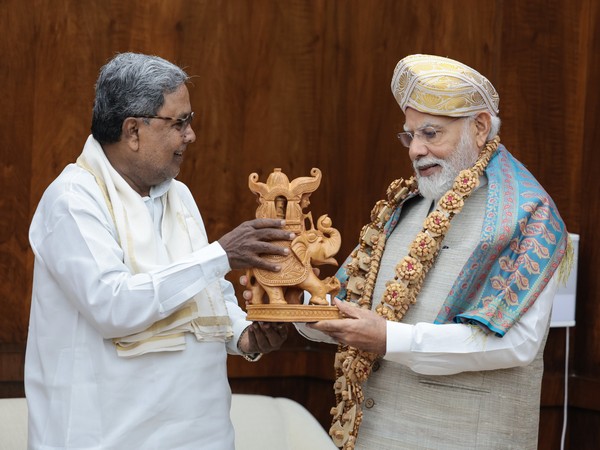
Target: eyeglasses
point(180, 123)
point(429, 134)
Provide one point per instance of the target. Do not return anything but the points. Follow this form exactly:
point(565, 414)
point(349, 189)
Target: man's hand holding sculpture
point(245, 244)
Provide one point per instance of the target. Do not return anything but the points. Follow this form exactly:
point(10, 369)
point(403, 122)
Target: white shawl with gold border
point(205, 314)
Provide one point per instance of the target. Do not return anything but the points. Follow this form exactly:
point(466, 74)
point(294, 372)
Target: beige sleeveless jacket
point(496, 409)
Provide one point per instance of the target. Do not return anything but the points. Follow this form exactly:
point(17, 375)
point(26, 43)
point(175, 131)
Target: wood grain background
point(298, 84)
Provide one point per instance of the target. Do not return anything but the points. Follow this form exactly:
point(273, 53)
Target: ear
point(483, 124)
point(130, 133)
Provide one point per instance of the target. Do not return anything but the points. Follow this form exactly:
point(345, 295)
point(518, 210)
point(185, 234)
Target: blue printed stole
point(523, 240)
point(522, 243)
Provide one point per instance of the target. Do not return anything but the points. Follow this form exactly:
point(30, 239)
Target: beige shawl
point(205, 314)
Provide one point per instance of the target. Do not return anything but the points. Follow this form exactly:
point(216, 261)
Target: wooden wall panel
point(588, 315)
point(15, 145)
point(585, 390)
point(16, 64)
point(542, 86)
point(298, 84)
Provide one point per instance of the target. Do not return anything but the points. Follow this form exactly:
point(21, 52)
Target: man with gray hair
point(131, 318)
point(447, 297)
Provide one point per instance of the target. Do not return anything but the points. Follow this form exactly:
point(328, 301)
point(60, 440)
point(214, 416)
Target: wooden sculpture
point(280, 198)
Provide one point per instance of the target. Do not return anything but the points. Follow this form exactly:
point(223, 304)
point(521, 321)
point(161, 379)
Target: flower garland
point(353, 366)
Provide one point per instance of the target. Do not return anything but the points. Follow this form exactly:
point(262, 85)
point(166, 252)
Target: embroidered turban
point(442, 86)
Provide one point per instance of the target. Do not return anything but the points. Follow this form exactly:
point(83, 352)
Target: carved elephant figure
point(312, 247)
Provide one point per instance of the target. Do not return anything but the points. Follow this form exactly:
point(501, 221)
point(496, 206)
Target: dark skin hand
point(264, 337)
point(244, 246)
point(249, 241)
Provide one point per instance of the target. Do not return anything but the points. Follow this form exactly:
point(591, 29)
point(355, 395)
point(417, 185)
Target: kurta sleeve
point(445, 349)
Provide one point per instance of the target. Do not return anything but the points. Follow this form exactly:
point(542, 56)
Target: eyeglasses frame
point(403, 135)
point(182, 121)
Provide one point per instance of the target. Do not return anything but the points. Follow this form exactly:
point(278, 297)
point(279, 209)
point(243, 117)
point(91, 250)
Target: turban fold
point(442, 86)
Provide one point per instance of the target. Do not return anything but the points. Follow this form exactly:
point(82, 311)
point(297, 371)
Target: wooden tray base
point(291, 313)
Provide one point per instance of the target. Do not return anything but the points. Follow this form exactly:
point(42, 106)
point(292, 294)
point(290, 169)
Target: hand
point(263, 337)
point(246, 243)
point(361, 328)
point(293, 295)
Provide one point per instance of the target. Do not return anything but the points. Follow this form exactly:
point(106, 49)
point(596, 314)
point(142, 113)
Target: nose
point(417, 149)
point(189, 136)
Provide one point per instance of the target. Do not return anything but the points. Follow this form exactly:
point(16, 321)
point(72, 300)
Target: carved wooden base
point(291, 313)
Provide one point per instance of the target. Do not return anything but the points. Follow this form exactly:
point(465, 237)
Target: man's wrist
point(252, 357)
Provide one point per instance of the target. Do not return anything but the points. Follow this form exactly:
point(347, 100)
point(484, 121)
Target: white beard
point(463, 157)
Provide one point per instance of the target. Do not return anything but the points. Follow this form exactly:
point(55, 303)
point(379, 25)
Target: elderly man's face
point(162, 143)
point(441, 148)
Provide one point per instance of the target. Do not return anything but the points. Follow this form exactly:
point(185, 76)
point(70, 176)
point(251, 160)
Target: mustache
point(429, 161)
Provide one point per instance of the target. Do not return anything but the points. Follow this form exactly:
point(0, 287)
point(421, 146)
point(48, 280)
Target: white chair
point(261, 423)
point(13, 424)
point(275, 423)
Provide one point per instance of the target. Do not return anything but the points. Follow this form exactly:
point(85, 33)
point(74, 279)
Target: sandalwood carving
point(280, 198)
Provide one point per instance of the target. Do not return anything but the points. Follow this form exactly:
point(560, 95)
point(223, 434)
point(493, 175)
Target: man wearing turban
point(447, 298)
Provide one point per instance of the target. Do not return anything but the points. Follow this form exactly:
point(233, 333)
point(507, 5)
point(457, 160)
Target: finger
point(326, 326)
point(252, 344)
point(273, 331)
point(260, 263)
point(282, 329)
point(263, 248)
point(267, 223)
point(347, 309)
point(276, 334)
point(253, 258)
point(273, 234)
point(243, 280)
point(247, 295)
point(271, 249)
point(261, 339)
point(269, 229)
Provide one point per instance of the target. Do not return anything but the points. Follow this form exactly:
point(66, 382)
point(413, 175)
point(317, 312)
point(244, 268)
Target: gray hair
point(494, 125)
point(494, 128)
point(131, 85)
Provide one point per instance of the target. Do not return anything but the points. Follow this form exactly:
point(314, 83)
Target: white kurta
point(80, 393)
